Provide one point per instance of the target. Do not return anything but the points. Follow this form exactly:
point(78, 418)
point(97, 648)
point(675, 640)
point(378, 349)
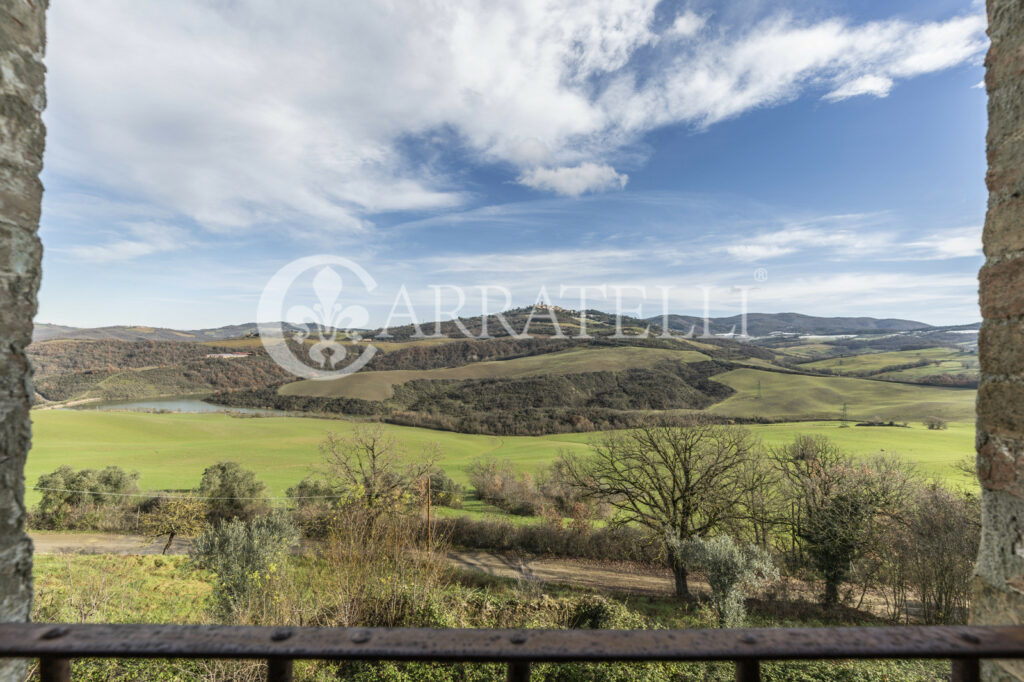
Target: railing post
point(54, 669)
point(518, 671)
point(966, 670)
point(279, 670)
point(748, 670)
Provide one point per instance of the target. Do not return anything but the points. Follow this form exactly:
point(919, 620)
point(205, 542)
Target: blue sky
point(835, 149)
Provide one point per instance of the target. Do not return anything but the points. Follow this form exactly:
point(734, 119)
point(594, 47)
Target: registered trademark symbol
point(760, 275)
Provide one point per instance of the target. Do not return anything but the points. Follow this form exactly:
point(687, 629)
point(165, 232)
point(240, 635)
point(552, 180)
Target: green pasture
point(170, 451)
point(777, 395)
point(947, 360)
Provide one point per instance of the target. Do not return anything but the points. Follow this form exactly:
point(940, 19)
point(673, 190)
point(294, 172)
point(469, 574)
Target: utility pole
point(430, 532)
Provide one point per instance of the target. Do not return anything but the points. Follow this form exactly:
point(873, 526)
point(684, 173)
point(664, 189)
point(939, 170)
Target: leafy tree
point(66, 487)
point(232, 491)
point(935, 423)
point(839, 502)
point(688, 480)
point(731, 570)
point(175, 516)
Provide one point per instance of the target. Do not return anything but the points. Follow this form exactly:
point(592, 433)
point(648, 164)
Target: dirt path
point(602, 576)
point(564, 571)
point(101, 543)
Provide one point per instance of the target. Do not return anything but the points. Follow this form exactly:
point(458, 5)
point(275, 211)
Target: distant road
point(604, 576)
point(101, 543)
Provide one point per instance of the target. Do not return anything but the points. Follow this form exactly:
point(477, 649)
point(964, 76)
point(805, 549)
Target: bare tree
point(684, 480)
point(373, 465)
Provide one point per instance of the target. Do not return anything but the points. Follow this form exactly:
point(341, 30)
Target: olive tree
point(686, 480)
point(233, 491)
point(731, 570)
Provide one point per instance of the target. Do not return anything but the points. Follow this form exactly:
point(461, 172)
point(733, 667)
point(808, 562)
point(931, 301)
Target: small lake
point(170, 405)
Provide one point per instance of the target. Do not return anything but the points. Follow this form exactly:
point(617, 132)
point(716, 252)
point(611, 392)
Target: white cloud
point(857, 236)
point(879, 86)
point(963, 242)
point(145, 239)
point(574, 181)
point(686, 25)
point(250, 113)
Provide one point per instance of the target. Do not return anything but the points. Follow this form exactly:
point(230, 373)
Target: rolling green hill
point(761, 393)
point(380, 385)
point(940, 360)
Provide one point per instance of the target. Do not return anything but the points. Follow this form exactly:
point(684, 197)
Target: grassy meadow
point(796, 396)
point(170, 451)
point(947, 359)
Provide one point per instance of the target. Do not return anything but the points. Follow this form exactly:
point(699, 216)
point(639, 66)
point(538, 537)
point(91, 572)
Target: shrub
point(497, 483)
point(444, 491)
point(233, 491)
point(243, 555)
point(88, 499)
point(935, 423)
point(66, 487)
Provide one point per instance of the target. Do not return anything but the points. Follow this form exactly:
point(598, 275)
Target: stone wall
point(999, 575)
point(22, 98)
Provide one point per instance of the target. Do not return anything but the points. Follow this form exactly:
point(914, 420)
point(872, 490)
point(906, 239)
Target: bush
point(66, 487)
point(88, 499)
point(935, 423)
point(233, 492)
point(611, 543)
point(243, 555)
point(497, 483)
point(444, 491)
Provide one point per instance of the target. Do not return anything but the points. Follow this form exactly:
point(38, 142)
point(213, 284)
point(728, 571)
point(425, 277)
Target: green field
point(795, 396)
point(379, 385)
point(948, 361)
point(170, 451)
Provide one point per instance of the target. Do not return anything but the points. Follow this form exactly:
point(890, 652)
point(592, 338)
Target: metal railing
point(56, 645)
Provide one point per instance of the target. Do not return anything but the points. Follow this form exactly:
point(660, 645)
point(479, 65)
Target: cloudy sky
point(829, 155)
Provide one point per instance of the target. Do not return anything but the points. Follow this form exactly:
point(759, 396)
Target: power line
point(186, 497)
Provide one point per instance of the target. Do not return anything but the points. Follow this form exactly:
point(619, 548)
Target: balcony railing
point(56, 645)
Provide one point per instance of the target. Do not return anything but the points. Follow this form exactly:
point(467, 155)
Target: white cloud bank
point(253, 113)
point(576, 180)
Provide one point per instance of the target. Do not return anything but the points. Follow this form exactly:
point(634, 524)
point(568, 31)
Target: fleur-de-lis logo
point(319, 329)
point(327, 319)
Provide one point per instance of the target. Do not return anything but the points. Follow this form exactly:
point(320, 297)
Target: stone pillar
point(998, 590)
point(22, 98)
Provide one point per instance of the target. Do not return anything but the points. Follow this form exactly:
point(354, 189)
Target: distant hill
point(599, 323)
point(762, 324)
point(48, 332)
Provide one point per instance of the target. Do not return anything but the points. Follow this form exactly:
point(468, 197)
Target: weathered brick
point(1002, 289)
point(1001, 463)
point(1001, 347)
point(1001, 408)
point(1004, 227)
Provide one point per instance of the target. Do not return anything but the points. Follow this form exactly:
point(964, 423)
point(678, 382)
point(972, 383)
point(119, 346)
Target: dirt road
point(101, 543)
point(564, 571)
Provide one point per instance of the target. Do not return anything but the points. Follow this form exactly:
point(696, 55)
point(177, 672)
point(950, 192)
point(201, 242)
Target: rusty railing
point(56, 645)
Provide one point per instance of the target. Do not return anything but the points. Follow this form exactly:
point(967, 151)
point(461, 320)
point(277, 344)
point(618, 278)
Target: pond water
point(170, 405)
